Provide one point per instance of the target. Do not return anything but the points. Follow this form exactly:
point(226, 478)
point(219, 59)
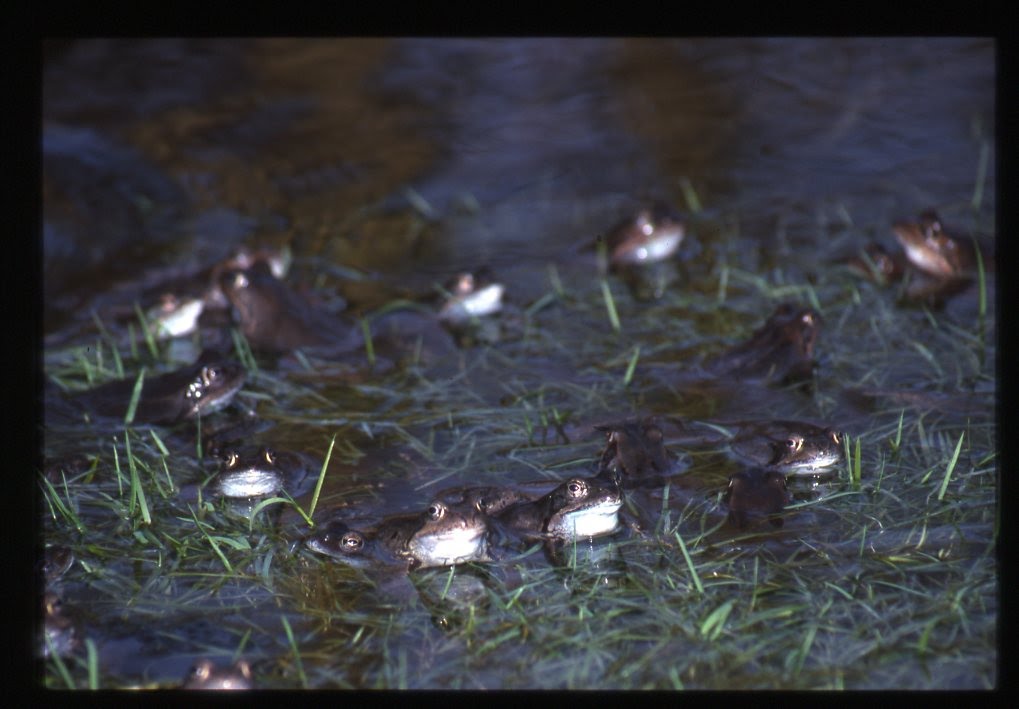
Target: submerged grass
point(883, 576)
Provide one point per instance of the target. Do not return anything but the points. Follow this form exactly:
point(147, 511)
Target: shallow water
point(388, 165)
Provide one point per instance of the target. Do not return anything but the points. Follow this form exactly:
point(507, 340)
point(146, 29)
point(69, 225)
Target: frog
point(55, 562)
point(490, 500)
point(61, 635)
point(246, 473)
point(943, 265)
point(174, 316)
point(443, 535)
point(276, 319)
point(205, 674)
point(634, 449)
point(276, 260)
point(199, 389)
point(789, 447)
point(878, 264)
point(653, 234)
point(932, 250)
point(470, 296)
point(779, 352)
point(756, 491)
point(577, 508)
point(176, 300)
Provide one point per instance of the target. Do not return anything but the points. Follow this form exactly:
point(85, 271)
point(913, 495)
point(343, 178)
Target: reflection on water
point(550, 138)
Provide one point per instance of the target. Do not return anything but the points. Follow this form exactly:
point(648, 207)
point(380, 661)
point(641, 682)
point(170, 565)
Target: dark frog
point(202, 388)
point(634, 449)
point(578, 508)
point(780, 351)
point(877, 264)
point(490, 500)
point(205, 674)
point(60, 634)
point(249, 473)
point(276, 319)
point(442, 535)
point(789, 447)
point(756, 492)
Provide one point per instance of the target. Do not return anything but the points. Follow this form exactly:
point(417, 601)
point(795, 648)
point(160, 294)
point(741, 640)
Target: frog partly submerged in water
point(259, 472)
point(276, 319)
point(943, 263)
point(578, 508)
point(653, 234)
point(201, 388)
point(781, 351)
point(205, 674)
point(60, 634)
point(756, 492)
point(470, 296)
point(443, 535)
point(789, 447)
point(635, 449)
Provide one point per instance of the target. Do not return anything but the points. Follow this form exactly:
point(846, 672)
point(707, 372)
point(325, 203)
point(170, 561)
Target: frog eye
point(576, 488)
point(465, 284)
point(209, 375)
point(53, 604)
point(270, 457)
point(436, 511)
point(794, 443)
point(808, 319)
point(231, 459)
point(351, 542)
point(240, 280)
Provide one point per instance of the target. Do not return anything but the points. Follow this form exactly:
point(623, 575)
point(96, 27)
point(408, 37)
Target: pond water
point(386, 166)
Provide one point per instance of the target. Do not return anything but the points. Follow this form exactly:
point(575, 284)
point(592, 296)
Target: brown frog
point(470, 296)
point(943, 264)
point(877, 264)
point(790, 447)
point(653, 234)
point(576, 509)
point(249, 473)
point(756, 492)
point(932, 250)
point(275, 319)
point(201, 388)
point(205, 674)
point(634, 449)
point(780, 351)
point(443, 535)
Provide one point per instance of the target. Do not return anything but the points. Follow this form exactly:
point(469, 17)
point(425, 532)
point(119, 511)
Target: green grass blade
point(610, 305)
point(321, 479)
point(136, 395)
point(137, 492)
point(628, 377)
point(297, 654)
point(693, 202)
point(689, 564)
point(950, 468)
